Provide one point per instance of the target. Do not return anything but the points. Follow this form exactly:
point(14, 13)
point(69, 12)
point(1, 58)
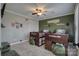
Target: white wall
point(77, 23)
point(12, 34)
point(0, 28)
point(0, 25)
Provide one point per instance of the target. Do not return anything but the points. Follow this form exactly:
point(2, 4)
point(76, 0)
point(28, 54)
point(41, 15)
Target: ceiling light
point(38, 11)
point(39, 14)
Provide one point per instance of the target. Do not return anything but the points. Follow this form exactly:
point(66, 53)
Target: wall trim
point(15, 13)
point(58, 16)
point(18, 42)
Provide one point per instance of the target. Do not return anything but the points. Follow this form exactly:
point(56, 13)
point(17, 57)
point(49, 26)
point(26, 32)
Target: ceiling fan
point(39, 11)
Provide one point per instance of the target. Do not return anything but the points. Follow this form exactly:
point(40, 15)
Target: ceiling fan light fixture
point(38, 11)
point(39, 14)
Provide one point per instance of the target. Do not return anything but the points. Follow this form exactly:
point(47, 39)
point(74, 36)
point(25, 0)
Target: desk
point(56, 38)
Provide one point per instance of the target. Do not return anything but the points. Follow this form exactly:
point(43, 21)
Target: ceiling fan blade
point(34, 13)
point(44, 14)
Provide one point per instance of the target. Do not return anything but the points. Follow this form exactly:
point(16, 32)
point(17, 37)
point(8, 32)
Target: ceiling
point(53, 9)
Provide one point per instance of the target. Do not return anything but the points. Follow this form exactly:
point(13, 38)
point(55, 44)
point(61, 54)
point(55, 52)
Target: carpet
point(25, 49)
point(10, 53)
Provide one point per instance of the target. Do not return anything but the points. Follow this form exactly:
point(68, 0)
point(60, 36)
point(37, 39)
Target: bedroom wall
point(63, 19)
point(78, 23)
point(12, 34)
point(0, 25)
point(0, 28)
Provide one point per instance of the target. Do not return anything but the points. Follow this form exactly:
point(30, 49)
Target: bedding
point(58, 49)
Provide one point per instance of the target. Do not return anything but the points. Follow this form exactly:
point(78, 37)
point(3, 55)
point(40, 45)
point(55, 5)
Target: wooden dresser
point(39, 38)
point(51, 38)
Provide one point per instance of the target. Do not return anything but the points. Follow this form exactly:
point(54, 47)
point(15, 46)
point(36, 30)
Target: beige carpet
point(25, 49)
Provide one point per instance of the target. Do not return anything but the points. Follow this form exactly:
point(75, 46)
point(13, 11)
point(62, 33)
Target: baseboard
point(18, 42)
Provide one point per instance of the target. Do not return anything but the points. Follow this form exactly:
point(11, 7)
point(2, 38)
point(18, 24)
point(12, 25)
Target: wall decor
point(21, 25)
point(18, 25)
point(67, 24)
point(13, 24)
point(53, 21)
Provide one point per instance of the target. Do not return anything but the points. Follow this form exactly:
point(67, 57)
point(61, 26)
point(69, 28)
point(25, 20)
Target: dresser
point(39, 38)
point(51, 38)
